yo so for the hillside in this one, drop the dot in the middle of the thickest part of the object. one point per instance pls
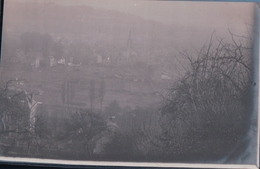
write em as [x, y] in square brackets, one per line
[91, 25]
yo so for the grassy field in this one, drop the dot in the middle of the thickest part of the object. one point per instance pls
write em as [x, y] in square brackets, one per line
[125, 84]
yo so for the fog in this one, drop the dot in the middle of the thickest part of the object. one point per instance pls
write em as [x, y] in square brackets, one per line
[158, 81]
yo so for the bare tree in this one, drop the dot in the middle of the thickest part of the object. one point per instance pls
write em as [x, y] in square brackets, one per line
[67, 92]
[19, 121]
[209, 106]
[102, 92]
[136, 135]
[84, 129]
[92, 93]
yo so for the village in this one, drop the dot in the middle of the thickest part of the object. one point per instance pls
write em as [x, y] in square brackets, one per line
[130, 80]
[87, 66]
[61, 83]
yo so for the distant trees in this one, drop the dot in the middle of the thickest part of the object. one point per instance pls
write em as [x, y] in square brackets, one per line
[101, 92]
[31, 41]
[67, 92]
[58, 50]
[47, 43]
[9, 47]
[34, 41]
[77, 50]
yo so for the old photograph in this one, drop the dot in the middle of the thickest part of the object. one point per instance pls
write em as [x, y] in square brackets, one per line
[130, 81]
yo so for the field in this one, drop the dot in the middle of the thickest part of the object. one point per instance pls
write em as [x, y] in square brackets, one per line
[125, 85]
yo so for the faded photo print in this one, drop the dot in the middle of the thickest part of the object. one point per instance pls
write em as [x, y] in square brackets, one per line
[129, 81]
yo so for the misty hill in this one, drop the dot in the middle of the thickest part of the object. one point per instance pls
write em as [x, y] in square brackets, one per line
[94, 26]
[98, 26]
[109, 29]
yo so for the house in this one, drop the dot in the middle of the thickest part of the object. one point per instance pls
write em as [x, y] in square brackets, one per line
[52, 61]
[166, 77]
[62, 61]
[34, 58]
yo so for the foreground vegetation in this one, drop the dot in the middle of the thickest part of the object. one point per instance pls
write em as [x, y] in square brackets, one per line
[204, 116]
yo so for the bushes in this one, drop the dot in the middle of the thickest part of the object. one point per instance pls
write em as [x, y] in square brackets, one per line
[207, 110]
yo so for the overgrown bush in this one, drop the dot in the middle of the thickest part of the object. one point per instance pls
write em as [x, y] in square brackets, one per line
[206, 112]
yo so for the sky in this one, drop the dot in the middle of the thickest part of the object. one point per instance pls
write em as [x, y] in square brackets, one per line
[197, 19]
[230, 14]
[171, 11]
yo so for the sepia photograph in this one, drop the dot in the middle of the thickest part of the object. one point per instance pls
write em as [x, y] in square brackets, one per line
[130, 83]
